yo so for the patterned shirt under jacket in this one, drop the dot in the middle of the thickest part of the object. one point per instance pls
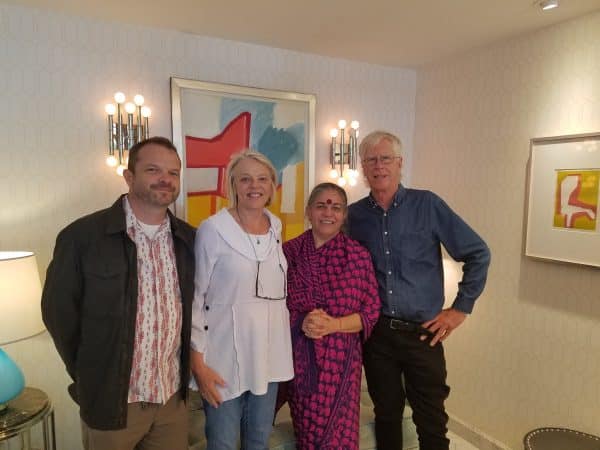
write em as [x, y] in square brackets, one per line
[155, 372]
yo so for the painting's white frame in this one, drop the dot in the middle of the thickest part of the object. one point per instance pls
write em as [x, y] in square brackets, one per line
[179, 84]
[548, 154]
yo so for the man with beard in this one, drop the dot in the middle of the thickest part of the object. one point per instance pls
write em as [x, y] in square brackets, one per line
[117, 302]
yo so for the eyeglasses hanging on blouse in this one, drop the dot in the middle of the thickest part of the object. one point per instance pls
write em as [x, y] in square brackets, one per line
[259, 291]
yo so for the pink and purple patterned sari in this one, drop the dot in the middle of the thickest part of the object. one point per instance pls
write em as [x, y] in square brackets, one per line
[324, 395]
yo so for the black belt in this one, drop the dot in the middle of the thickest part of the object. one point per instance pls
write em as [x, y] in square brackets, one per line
[403, 325]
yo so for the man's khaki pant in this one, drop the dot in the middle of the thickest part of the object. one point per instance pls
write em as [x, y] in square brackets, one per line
[150, 426]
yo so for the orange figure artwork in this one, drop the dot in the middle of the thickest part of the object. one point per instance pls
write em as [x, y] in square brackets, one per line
[576, 199]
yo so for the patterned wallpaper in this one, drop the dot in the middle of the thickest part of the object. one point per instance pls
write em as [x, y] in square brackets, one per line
[529, 355]
[56, 74]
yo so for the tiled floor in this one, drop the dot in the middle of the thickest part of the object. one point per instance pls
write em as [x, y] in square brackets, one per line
[458, 443]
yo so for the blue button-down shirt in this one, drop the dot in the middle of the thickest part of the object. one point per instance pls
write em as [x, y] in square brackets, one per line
[404, 242]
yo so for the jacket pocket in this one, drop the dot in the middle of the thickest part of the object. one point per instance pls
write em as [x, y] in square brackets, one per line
[105, 288]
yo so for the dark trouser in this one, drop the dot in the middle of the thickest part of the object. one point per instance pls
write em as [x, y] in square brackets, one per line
[389, 354]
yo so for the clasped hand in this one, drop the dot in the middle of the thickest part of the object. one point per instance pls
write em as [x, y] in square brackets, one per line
[318, 323]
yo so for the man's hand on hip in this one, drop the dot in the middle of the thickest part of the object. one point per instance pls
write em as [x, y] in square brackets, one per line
[443, 324]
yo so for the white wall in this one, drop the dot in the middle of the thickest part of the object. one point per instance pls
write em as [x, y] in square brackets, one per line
[56, 74]
[529, 356]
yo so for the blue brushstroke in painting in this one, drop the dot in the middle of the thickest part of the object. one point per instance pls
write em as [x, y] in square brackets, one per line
[283, 147]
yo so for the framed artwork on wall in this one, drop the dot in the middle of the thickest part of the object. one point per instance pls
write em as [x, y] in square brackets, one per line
[564, 194]
[212, 121]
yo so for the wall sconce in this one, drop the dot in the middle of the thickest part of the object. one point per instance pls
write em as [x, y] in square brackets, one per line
[122, 136]
[342, 154]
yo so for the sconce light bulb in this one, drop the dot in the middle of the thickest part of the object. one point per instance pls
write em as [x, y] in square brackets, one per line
[342, 124]
[146, 112]
[334, 132]
[353, 174]
[352, 181]
[120, 169]
[354, 124]
[110, 109]
[341, 181]
[129, 108]
[111, 161]
[119, 97]
[138, 100]
[333, 173]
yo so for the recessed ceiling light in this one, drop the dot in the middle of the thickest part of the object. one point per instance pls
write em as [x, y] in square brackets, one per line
[548, 4]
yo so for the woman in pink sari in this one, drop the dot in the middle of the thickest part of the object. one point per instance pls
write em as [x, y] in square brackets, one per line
[333, 304]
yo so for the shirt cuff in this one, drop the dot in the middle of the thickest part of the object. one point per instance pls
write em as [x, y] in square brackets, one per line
[198, 341]
[463, 305]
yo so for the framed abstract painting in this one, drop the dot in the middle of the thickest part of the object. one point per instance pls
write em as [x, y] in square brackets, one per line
[564, 193]
[213, 121]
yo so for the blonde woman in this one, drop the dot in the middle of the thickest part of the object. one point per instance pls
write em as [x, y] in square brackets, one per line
[241, 345]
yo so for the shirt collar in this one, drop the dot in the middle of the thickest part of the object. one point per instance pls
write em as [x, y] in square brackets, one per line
[398, 196]
[239, 240]
[133, 223]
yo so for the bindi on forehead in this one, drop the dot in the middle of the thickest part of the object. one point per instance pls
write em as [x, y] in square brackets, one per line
[329, 202]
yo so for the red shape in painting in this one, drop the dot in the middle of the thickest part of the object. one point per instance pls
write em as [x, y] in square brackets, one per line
[216, 152]
[570, 206]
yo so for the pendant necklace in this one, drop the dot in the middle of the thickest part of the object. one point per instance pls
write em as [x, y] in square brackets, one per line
[257, 237]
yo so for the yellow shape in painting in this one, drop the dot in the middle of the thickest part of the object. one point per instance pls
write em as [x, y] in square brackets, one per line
[201, 207]
[293, 223]
[576, 199]
[198, 209]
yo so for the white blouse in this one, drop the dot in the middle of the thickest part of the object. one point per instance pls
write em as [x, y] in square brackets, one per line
[245, 339]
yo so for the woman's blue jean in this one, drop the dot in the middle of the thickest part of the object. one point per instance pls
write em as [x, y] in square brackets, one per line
[247, 419]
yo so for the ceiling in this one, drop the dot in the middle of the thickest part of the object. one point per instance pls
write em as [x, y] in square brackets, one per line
[405, 33]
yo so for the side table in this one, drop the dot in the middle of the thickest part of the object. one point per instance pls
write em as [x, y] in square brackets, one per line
[31, 407]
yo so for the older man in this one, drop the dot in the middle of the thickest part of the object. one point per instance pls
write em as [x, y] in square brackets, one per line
[403, 229]
[117, 301]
